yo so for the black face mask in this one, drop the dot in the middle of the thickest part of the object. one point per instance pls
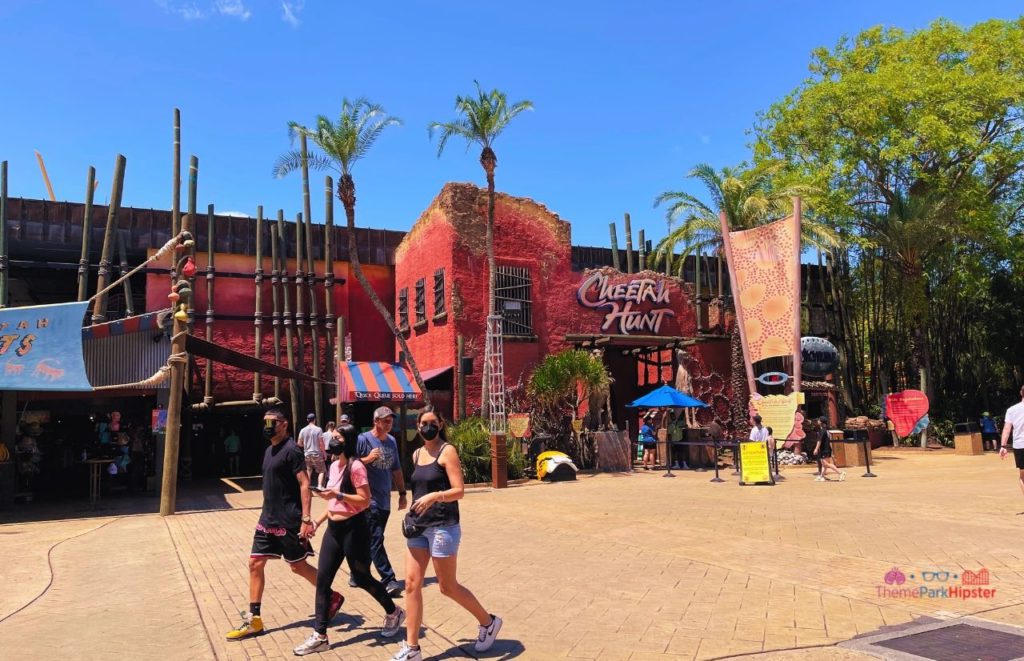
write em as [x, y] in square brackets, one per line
[429, 431]
[269, 429]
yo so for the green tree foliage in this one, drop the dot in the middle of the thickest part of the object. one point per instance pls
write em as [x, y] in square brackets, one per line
[557, 388]
[917, 142]
[472, 439]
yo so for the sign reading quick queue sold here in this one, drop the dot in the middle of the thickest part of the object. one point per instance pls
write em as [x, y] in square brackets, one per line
[41, 348]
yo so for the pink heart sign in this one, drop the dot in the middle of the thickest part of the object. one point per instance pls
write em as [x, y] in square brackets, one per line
[905, 409]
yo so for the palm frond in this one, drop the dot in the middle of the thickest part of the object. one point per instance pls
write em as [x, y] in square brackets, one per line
[481, 118]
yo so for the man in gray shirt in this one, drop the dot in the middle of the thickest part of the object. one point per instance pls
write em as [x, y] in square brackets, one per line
[311, 442]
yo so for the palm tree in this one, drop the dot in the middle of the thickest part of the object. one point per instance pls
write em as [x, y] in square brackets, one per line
[481, 120]
[343, 143]
[747, 197]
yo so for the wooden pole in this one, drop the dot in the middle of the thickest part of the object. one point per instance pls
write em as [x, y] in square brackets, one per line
[751, 384]
[314, 317]
[642, 261]
[615, 246]
[300, 307]
[698, 292]
[629, 245]
[275, 286]
[83, 262]
[99, 311]
[339, 357]
[460, 376]
[293, 386]
[329, 278]
[129, 308]
[193, 184]
[208, 382]
[176, 178]
[797, 358]
[178, 363]
[3, 234]
[257, 319]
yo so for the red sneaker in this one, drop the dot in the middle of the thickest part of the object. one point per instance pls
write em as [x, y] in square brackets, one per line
[337, 599]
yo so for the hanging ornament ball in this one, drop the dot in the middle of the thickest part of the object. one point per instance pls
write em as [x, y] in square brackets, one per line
[189, 244]
[174, 296]
[181, 314]
[180, 247]
[189, 269]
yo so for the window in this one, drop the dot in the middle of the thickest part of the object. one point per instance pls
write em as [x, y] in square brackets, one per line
[512, 298]
[421, 301]
[439, 308]
[403, 309]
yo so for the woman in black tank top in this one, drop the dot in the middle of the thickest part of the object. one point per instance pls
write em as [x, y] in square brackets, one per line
[437, 486]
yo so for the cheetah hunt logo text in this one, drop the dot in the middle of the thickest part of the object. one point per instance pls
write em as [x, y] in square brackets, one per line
[623, 301]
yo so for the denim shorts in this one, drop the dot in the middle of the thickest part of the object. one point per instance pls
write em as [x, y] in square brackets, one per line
[441, 541]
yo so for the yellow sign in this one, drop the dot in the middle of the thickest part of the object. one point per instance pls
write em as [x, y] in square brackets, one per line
[519, 424]
[754, 465]
[778, 412]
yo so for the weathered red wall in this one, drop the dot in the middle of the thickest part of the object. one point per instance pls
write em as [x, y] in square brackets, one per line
[371, 339]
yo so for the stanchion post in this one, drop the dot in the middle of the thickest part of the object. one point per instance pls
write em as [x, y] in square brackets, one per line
[714, 441]
[867, 460]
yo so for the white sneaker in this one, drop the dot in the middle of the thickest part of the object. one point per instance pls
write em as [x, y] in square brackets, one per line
[315, 643]
[842, 476]
[393, 622]
[407, 653]
[487, 634]
[819, 479]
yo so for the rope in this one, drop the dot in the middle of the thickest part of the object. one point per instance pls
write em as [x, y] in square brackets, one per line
[167, 247]
[158, 377]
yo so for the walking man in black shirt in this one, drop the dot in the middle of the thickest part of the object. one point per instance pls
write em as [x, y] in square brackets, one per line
[285, 525]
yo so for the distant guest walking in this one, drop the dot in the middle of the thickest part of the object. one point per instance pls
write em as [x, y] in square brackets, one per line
[649, 441]
[311, 442]
[823, 450]
[433, 531]
[1013, 427]
[346, 536]
[379, 452]
[989, 431]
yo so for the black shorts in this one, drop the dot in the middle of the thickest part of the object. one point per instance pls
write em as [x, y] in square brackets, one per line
[289, 546]
[989, 436]
[1018, 457]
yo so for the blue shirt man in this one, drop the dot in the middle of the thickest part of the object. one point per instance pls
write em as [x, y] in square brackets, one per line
[379, 452]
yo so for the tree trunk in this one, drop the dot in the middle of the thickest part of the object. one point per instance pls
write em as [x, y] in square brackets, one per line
[347, 195]
[489, 161]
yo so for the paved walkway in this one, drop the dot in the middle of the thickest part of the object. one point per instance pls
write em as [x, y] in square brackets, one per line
[609, 567]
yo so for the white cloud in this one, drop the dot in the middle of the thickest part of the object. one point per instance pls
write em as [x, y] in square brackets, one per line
[233, 8]
[187, 10]
[290, 12]
[235, 214]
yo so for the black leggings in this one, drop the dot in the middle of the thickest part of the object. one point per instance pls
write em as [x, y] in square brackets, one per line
[349, 538]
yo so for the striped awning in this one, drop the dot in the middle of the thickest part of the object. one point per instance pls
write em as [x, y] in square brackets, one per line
[376, 382]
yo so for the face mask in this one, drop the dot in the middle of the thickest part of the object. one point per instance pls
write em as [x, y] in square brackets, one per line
[429, 431]
[269, 429]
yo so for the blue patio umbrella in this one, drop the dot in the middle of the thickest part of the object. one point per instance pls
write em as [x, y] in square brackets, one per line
[667, 396]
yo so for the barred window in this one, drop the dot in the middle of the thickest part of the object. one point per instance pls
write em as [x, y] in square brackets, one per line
[439, 308]
[403, 309]
[421, 301]
[513, 300]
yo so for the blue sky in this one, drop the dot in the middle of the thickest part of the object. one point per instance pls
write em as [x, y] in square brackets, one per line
[628, 96]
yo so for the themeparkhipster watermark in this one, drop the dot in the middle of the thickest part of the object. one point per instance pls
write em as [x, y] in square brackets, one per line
[936, 585]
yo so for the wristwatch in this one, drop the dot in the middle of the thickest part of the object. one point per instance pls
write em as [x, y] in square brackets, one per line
[307, 519]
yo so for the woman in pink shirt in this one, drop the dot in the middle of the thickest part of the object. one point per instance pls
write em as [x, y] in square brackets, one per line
[347, 536]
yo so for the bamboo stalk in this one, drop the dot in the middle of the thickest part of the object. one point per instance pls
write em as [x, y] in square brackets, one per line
[176, 191]
[178, 363]
[275, 286]
[3, 234]
[99, 311]
[193, 183]
[314, 318]
[300, 304]
[339, 357]
[615, 246]
[257, 319]
[642, 261]
[293, 389]
[129, 308]
[329, 278]
[210, 272]
[83, 262]
[629, 245]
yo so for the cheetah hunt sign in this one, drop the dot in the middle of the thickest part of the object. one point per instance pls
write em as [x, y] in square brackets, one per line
[639, 305]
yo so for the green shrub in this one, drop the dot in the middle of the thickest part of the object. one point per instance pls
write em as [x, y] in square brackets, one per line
[472, 439]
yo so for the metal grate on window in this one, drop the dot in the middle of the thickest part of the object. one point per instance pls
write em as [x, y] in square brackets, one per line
[421, 300]
[439, 308]
[403, 309]
[513, 300]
